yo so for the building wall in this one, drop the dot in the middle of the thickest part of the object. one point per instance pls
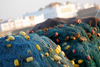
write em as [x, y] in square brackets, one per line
[12, 25]
[39, 19]
[66, 11]
[21, 22]
[26, 21]
[33, 20]
[0, 27]
[18, 23]
[5, 26]
[49, 12]
[63, 11]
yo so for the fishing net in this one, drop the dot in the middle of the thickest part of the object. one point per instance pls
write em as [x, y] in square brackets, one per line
[18, 50]
[80, 42]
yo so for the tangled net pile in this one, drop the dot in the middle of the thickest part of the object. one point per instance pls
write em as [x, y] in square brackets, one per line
[80, 42]
[31, 50]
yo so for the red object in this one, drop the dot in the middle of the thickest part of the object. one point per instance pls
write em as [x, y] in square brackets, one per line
[78, 21]
[50, 27]
[44, 33]
[93, 32]
[56, 34]
[73, 51]
[30, 32]
[88, 57]
[61, 25]
[57, 40]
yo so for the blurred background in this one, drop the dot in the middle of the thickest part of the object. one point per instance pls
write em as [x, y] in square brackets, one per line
[23, 15]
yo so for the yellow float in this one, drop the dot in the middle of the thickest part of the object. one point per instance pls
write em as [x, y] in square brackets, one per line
[8, 45]
[63, 53]
[27, 37]
[99, 48]
[56, 51]
[80, 61]
[76, 65]
[46, 54]
[38, 47]
[22, 33]
[29, 59]
[16, 62]
[50, 50]
[59, 47]
[10, 38]
[67, 47]
[72, 62]
[52, 59]
[56, 58]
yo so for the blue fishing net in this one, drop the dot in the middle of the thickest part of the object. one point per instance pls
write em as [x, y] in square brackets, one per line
[21, 49]
[85, 47]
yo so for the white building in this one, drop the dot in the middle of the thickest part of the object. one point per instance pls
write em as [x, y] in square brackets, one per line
[84, 6]
[55, 10]
[18, 23]
[87, 5]
[5, 26]
[66, 11]
[21, 22]
[33, 20]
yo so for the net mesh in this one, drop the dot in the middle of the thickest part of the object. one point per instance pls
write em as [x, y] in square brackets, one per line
[84, 46]
[21, 49]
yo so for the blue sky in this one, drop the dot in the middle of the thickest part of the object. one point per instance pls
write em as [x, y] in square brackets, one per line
[16, 8]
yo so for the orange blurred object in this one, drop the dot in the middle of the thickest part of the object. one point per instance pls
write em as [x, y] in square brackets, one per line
[56, 34]
[88, 57]
[78, 21]
[61, 25]
[93, 32]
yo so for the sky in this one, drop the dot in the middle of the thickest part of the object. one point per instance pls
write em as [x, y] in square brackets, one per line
[17, 8]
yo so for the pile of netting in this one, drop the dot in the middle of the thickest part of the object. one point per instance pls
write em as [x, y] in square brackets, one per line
[80, 42]
[31, 50]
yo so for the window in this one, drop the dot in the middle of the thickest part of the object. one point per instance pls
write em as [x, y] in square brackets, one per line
[31, 18]
[68, 9]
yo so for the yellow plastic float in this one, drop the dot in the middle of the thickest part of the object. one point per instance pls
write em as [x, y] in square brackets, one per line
[64, 65]
[29, 59]
[10, 38]
[76, 65]
[67, 47]
[99, 48]
[59, 47]
[16, 62]
[42, 55]
[52, 59]
[22, 33]
[56, 58]
[38, 47]
[8, 45]
[27, 37]
[63, 53]
[72, 61]
[46, 54]
[80, 61]
[50, 50]
[57, 50]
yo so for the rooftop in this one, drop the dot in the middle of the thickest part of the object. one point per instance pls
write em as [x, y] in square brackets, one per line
[4, 21]
[33, 14]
